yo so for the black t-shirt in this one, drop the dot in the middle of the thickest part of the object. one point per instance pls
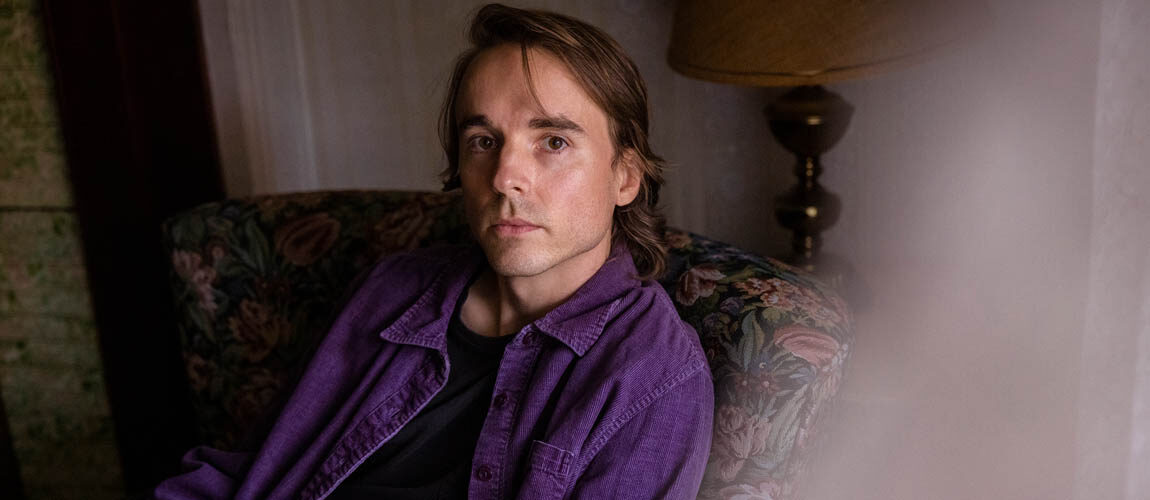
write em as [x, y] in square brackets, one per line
[430, 457]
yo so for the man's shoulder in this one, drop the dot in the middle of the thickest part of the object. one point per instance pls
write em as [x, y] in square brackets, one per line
[646, 328]
[648, 302]
[644, 353]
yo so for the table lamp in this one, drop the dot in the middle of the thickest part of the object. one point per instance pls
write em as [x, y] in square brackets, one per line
[806, 44]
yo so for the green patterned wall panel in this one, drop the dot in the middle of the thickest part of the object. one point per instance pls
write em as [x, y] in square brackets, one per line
[32, 170]
[51, 376]
[50, 367]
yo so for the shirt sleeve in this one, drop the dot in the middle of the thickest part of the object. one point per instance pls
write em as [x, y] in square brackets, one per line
[209, 474]
[660, 453]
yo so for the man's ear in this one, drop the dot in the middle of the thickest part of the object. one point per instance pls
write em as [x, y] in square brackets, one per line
[628, 176]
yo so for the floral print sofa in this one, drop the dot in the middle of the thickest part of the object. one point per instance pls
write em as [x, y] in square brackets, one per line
[257, 280]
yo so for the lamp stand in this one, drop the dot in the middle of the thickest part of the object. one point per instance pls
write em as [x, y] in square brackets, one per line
[808, 121]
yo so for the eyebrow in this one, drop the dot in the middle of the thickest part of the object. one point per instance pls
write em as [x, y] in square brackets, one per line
[474, 121]
[556, 123]
[546, 122]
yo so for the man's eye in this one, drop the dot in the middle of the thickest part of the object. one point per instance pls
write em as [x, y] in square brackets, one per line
[482, 143]
[556, 143]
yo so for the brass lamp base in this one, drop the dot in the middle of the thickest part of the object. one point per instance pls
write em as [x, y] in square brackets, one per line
[808, 121]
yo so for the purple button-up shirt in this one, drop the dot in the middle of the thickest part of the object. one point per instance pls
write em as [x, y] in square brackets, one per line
[606, 396]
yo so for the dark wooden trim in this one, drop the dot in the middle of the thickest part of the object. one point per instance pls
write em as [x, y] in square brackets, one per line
[140, 146]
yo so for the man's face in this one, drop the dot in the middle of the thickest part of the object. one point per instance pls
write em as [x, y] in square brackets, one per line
[539, 184]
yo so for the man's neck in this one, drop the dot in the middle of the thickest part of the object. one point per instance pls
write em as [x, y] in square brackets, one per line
[502, 305]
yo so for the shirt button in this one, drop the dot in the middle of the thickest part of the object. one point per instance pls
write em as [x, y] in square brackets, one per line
[500, 401]
[483, 473]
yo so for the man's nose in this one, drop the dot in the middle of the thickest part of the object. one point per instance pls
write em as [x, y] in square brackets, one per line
[512, 170]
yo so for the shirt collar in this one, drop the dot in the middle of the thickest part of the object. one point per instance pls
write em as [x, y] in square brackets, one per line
[577, 322]
[425, 322]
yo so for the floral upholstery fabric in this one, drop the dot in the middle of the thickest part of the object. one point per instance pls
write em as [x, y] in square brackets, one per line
[258, 280]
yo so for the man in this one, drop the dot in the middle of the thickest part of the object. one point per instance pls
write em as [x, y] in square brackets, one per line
[542, 364]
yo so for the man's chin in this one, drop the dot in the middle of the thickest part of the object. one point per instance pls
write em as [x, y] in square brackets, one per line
[515, 262]
[512, 267]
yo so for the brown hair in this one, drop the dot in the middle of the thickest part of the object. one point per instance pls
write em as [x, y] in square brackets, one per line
[610, 78]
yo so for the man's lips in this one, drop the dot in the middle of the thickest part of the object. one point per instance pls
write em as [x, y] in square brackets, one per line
[510, 227]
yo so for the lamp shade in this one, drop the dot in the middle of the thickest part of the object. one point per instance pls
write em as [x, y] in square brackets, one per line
[808, 42]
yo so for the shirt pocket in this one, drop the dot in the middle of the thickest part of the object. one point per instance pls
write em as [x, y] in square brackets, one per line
[547, 472]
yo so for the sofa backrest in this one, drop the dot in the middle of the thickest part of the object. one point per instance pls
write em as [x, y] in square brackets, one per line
[258, 280]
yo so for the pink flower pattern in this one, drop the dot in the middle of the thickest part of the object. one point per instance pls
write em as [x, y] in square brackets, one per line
[788, 297]
[739, 435]
[812, 345]
[189, 266]
[698, 281]
[768, 490]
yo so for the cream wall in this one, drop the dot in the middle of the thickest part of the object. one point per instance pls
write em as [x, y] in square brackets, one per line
[995, 359]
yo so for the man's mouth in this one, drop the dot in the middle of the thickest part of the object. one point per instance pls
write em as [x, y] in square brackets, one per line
[513, 226]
